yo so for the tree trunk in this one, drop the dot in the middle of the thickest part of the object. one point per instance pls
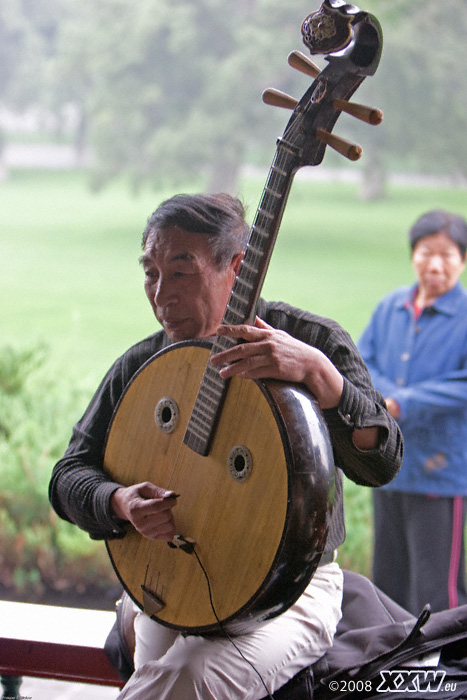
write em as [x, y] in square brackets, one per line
[3, 164]
[374, 179]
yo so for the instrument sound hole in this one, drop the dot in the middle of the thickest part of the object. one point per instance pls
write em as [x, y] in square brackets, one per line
[166, 414]
[240, 463]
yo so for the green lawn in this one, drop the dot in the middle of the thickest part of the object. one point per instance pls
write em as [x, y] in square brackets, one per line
[69, 259]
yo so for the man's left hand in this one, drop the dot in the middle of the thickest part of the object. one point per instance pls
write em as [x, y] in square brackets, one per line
[269, 353]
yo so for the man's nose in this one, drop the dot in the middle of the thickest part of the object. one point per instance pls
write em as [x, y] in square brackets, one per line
[164, 292]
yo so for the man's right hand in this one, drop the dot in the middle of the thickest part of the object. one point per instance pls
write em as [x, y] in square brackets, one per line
[148, 508]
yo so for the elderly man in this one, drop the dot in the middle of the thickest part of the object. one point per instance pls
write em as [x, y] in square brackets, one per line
[416, 349]
[192, 249]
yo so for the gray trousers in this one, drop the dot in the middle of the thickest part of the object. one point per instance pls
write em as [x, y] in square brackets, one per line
[419, 552]
[172, 667]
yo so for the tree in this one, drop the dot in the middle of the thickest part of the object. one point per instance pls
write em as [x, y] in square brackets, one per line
[19, 44]
[420, 86]
[171, 90]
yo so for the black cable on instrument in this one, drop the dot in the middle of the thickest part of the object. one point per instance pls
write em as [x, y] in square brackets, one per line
[224, 631]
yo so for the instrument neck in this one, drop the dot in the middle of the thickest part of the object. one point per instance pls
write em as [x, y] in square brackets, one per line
[241, 307]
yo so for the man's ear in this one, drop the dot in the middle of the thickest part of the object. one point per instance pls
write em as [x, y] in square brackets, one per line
[237, 261]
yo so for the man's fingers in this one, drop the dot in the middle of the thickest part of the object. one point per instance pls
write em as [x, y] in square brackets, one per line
[243, 330]
[149, 490]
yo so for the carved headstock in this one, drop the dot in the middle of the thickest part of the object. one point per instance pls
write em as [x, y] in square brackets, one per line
[353, 42]
[329, 29]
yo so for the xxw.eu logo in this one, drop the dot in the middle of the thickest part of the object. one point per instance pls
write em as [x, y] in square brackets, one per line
[408, 681]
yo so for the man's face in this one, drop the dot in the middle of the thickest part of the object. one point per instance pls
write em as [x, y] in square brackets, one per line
[187, 293]
[438, 264]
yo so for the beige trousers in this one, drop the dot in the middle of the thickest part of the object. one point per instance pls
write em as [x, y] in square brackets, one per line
[172, 667]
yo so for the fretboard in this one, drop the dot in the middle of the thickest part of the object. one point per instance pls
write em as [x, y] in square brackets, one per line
[245, 293]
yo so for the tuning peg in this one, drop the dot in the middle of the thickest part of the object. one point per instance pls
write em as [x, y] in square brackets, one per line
[300, 62]
[370, 115]
[276, 98]
[346, 148]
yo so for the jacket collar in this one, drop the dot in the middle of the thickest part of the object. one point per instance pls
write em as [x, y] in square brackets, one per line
[447, 303]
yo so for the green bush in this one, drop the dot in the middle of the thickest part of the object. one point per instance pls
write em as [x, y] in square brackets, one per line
[356, 552]
[39, 552]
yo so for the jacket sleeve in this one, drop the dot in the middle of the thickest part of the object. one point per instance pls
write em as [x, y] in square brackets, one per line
[438, 394]
[361, 406]
[79, 489]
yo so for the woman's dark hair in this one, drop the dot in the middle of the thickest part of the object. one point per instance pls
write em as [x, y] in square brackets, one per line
[218, 216]
[438, 221]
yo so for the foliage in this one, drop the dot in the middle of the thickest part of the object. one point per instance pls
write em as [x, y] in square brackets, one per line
[38, 551]
[161, 87]
[16, 365]
[420, 86]
[169, 90]
[356, 552]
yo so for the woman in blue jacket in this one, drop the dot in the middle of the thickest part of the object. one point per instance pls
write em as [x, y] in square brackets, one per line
[415, 347]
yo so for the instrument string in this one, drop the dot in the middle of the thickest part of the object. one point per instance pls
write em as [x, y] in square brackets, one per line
[152, 551]
[224, 631]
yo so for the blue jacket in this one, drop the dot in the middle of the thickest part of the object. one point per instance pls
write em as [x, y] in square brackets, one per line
[422, 364]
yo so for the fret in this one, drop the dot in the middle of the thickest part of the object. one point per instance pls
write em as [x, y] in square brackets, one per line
[236, 314]
[246, 263]
[221, 343]
[200, 429]
[209, 406]
[273, 193]
[238, 304]
[237, 295]
[211, 396]
[276, 169]
[200, 421]
[193, 442]
[256, 252]
[211, 401]
[241, 282]
[205, 411]
[214, 381]
[212, 373]
[269, 216]
[283, 145]
[259, 231]
[203, 416]
[253, 250]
